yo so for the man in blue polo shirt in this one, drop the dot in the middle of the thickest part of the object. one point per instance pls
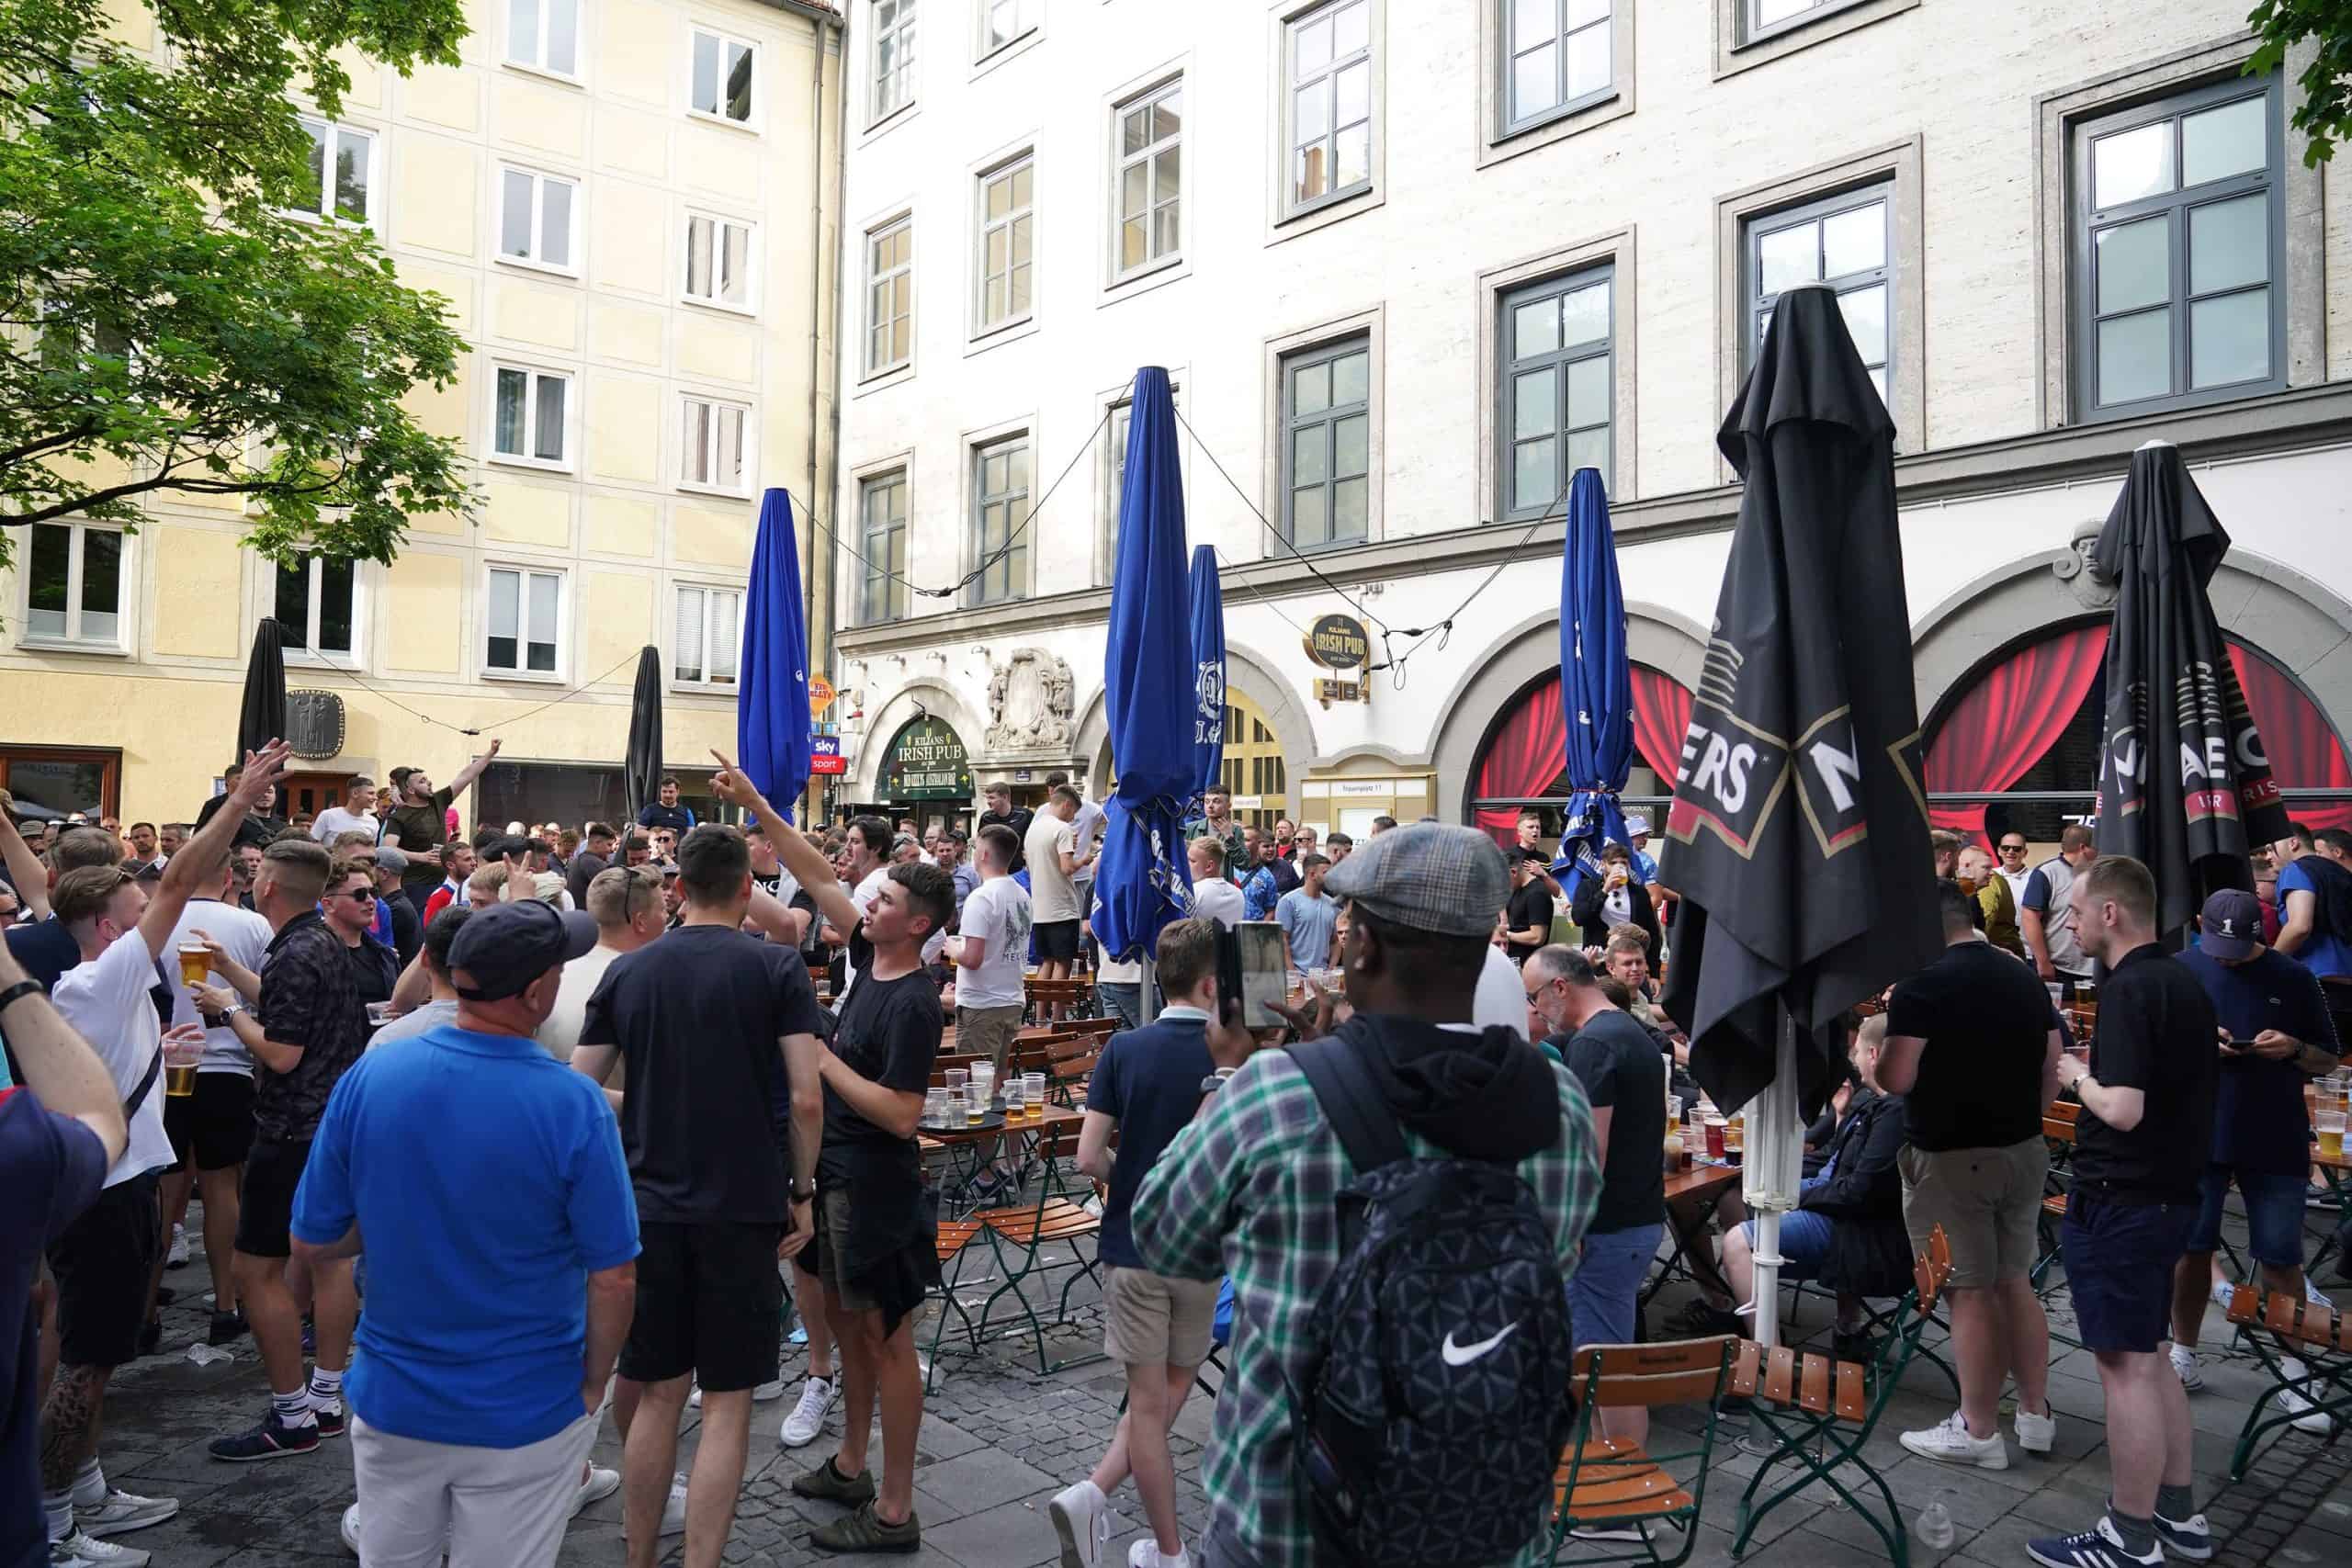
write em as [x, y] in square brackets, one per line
[502, 1270]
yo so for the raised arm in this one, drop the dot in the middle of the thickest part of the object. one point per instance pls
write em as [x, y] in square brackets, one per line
[25, 868]
[473, 770]
[198, 861]
[801, 858]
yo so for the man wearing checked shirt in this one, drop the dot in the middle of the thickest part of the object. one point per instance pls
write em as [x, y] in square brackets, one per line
[1253, 1179]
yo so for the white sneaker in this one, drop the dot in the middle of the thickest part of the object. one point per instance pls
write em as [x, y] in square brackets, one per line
[2312, 1293]
[1949, 1441]
[2035, 1433]
[1145, 1553]
[178, 1254]
[2308, 1417]
[350, 1529]
[81, 1549]
[2186, 1366]
[122, 1513]
[760, 1395]
[1083, 1519]
[808, 1417]
[1634, 1532]
[594, 1487]
[673, 1512]
[2224, 1292]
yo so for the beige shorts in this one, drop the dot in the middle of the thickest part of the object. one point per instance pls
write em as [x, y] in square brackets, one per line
[1150, 1320]
[988, 1030]
[1988, 1201]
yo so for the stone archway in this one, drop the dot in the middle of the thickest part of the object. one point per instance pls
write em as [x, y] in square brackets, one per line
[1245, 671]
[931, 696]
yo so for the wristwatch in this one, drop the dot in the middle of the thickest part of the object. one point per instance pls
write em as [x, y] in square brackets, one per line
[1215, 1081]
[21, 990]
[804, 1194]
[232, 1009]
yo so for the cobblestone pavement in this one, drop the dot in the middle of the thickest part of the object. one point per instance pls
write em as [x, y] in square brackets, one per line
[998, 1439]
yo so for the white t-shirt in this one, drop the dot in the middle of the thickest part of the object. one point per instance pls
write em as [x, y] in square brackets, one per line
[560, 1032]
[1218, 900]
[1501, 997]
[246, 936]
[108, 1003]
[1053, 898]
[2016, 880]
[998, 914]
[1086, 832]
[336, 819]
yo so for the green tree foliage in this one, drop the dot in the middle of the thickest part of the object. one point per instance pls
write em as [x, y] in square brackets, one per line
[169, 322]
[2327, 112]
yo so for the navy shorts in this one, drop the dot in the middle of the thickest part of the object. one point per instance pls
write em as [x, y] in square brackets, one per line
[2119, 1262]
[2274, 1214]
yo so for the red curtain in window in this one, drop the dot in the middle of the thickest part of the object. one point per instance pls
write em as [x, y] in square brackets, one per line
[2304, 752]
[1661, 718]
[2014, 714]
[1525, 755]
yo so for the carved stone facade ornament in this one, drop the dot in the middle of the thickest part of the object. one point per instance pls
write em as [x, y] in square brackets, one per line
[2079, 570]
[1029, 702]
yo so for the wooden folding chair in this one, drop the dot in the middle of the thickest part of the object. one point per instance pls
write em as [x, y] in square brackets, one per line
[956, 1237]
[1611, 1482]
[2275, 1324]
[1019, 1236]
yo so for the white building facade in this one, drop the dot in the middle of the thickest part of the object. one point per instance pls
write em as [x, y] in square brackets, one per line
[1409, 266]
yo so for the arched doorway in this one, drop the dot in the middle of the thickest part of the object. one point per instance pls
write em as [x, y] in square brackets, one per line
[1520, 766]
[2013, 749]
[925, 774]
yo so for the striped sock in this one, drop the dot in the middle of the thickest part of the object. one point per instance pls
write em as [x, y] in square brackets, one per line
[293, 1409]
[326, 1388]
[90, 1484]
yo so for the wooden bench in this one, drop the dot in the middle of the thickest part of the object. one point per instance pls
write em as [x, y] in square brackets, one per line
[2276, 1325]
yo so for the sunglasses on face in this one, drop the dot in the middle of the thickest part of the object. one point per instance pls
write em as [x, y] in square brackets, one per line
[356, 894]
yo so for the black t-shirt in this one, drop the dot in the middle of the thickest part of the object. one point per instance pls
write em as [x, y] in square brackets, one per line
[374, 969]
[698, 1015]
[1617, 1063]
[408, 931]
[1986, 1018]
[2156, 1033]
[581, 871]
[1018, 820]
[422, 828]
[889, 1033]
[1531, 906]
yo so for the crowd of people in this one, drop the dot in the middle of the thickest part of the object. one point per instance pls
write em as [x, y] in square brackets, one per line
[690, 1059]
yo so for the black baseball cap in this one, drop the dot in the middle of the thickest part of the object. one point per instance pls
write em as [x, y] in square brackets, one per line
[2231, 926]
[505, 947]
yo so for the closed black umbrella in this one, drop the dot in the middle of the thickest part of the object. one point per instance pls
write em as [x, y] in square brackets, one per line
[1798, 834]
[641, 769]
[2184, 783]
[261, 717]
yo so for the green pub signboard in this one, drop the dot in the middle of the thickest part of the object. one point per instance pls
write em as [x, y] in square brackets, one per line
[926, 761]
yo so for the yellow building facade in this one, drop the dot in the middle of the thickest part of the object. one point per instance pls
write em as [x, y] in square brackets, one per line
[631, 207]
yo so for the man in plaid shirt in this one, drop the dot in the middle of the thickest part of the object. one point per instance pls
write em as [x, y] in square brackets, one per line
[1250, 1187]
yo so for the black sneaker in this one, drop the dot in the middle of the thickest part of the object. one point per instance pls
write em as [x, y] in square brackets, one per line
[271, 1439]
[1855, 1346]
[331, 1422]
[827, 1483]
[1699, 1318]
[151, 1338]
[227, 1326]
[863, 1531]
[166, 1296]
[310, 1337]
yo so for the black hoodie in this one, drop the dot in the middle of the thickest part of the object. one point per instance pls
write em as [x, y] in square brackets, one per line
[1486, 1095]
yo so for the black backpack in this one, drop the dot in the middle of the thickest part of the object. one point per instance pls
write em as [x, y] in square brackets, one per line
[1434, 1405]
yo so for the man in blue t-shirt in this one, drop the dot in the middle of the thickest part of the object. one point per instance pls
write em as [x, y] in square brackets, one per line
[1145, 1089]
[492, 1326]
[2277, 1037]
[2316, 910]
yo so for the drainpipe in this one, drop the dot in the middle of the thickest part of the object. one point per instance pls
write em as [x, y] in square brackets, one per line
[840, 184]
[806, 526]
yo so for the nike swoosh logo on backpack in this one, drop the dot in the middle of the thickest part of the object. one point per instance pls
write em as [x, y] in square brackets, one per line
[1463, 1355]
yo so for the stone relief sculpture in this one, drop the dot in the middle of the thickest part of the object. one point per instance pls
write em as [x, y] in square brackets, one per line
[2079, 570]
[1030, 703]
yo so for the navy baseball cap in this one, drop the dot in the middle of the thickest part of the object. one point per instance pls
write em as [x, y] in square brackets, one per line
[2231, 925]
[505, 947]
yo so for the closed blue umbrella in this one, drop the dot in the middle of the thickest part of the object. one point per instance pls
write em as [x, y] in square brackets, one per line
[772, 701]
[1208, 670]
[1596, 682]
[1148, 685]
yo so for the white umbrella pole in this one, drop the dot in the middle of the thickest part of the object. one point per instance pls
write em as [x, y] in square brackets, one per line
[1147, 1009]
[1769, 1181]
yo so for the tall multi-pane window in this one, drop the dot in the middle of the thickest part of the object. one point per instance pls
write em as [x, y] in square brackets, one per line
[73, 580]
[882, 522]
[1000, 508]
[536, 218]
[1007, 224]
[723, 68]
[1005, 21]
[1114, 475]
[529, 423]
[544, 35]
[2179, 242]
[1556, 57]
[316, 604]
[341, 171]
[1151, 183]
[1760, 18]
[522, 625]
[1330, 98]
[894, 56]
[889, 296]
[1555, 392]
[1327, 445]
[718, 261]
[709, 623]
[1843, 240]
[710, 447]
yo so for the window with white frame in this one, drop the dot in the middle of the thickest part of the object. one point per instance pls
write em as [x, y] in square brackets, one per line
[316, 606]
[1004, 22]
[1555, 58]
[1329, 95]
[341, 171]
[889, 295]
[536, 213]
[723, 76]
[709, 628]
[530, 423]
[1007, 220]
[544, 35]
[75, 582]
[999, 510]
[882, 524]
[1842, 240]
[1115, 474]
[1151, 163]
[1557, 387]
[1326, 443]
[710, 451]
[718, 261]
[894, 56]
[523, 624]
[1760, 18]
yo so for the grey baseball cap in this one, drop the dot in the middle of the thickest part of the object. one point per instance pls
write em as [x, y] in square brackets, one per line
[389, 858]
[1431, 876]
